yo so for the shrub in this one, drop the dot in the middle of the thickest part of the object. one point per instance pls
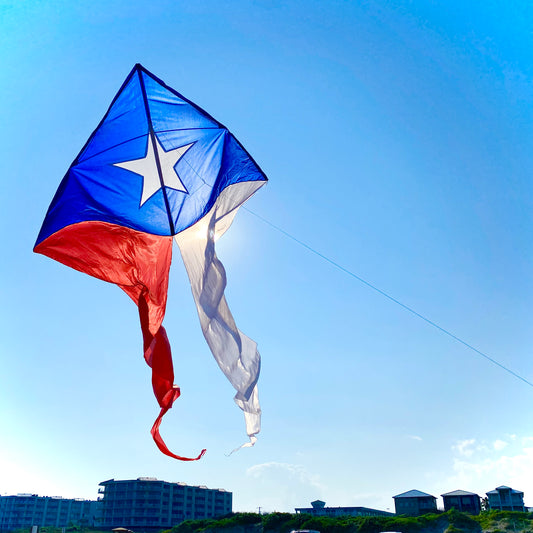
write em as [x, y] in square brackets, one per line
[274, 521]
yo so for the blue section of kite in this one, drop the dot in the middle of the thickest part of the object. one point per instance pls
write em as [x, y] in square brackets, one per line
[148, 120]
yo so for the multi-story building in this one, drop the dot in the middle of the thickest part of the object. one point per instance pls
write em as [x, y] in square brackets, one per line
[27, 510]
[506, 499]
[319, 509]
[148, 504]
[414, 503]
[461, 500]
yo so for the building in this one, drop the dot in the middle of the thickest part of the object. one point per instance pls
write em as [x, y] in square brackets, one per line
[147, 504]
[461, 500]
[414, 503]
[319, 509]
[26, 510]
[506, 499]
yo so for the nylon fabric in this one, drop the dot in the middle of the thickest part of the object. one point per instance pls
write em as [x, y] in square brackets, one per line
[155, 166]
[139, 264]
[236, 354]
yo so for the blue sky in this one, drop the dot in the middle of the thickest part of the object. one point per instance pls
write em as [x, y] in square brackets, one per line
[397, 139]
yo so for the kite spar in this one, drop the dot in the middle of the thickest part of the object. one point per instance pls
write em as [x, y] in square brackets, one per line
[159, 168]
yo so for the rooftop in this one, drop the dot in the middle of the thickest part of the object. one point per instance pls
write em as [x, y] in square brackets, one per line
[503, 487]
[414, 494]
[459, 493]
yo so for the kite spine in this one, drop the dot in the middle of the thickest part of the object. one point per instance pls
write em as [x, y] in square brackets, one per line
[154, 147]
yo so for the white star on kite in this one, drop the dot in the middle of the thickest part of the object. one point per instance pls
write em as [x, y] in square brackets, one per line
[147, 168]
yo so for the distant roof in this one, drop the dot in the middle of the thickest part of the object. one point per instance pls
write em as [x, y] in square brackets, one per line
[348, 510]
[459, 493]
[154, 480]
[503, 487]
[28, 495]
[414, 494]
[143, 479]
[318, 504]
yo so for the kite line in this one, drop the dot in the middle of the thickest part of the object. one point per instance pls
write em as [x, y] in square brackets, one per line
[386, 295]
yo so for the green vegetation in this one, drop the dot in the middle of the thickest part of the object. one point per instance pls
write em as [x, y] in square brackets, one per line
[68, 529]
[448, 522]
[504, 521]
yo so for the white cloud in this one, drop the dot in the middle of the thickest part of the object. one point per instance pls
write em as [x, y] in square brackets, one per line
[499, 445]
[25, 479]
[490, 467]
[465, 447]
[286, 485]
[292, 471]
[415, 437]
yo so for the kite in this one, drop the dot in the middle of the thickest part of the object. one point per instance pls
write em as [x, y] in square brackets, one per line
[158, 168]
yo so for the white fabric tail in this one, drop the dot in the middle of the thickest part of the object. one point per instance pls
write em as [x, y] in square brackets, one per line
[235, 353]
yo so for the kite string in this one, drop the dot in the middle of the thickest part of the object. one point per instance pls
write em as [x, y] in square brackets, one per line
[383, 293]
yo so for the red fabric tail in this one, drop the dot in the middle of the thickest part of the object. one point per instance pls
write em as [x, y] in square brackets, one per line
[161, 444]
[158, 356]
[138, 263]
